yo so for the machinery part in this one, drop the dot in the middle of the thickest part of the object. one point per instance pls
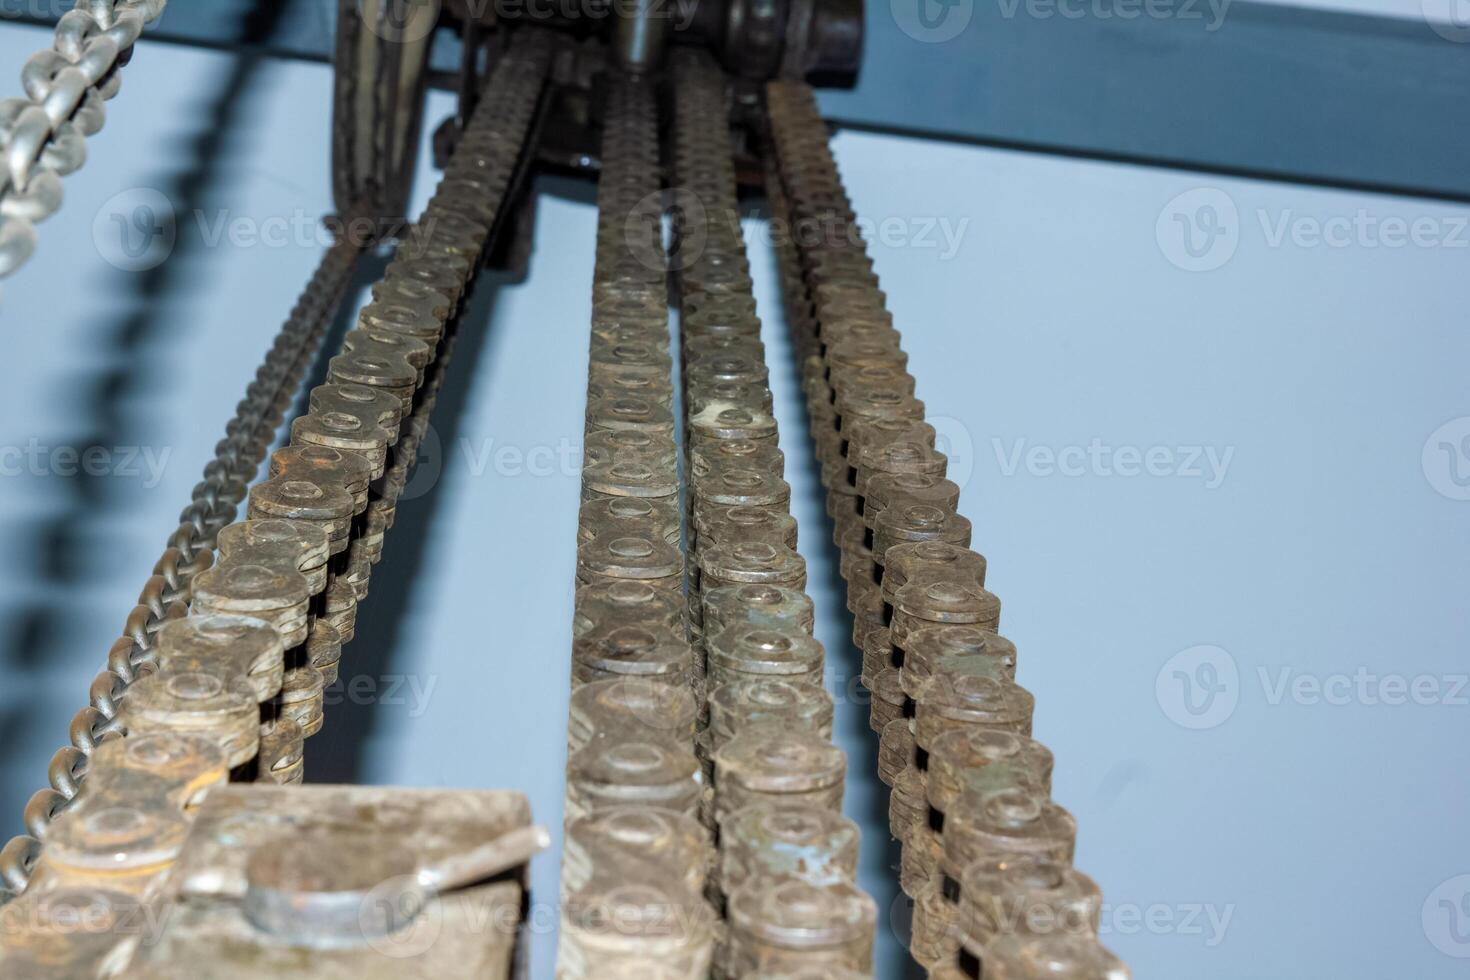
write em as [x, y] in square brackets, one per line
[764, 39]
[640, 32]
[340, 881]
[43, 136]
[165, 596]
[636, 761]
[761, 720]
[382, 67]
[703, 788]
[1349, 75]
[321, 489]
[741, 560]
[973, 787]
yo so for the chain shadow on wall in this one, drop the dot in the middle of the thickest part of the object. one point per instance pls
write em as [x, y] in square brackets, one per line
[38, 637]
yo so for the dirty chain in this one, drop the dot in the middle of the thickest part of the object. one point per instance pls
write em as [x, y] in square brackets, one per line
[986, 853]
[233, 688]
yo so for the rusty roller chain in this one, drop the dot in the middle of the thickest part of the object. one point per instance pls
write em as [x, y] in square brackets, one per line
[986, 853]
[704, 832]
[231, 690]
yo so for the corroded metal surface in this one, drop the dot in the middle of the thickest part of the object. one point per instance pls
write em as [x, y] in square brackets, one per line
[636, 861]
[750, 728]
[787, 861]
[344, 882]
[237, 685]
[984, 846]
[165, 596]
[704, 793]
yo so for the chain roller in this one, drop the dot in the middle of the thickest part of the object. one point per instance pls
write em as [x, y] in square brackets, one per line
[243, 673]
[778, 778]
[713, 726]
[637, 858]
[704, 792]
[165, 596]
[986, 853]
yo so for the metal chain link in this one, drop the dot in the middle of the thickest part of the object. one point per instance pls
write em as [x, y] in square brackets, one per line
[778, 777]
[245, 671]
[764, 780]
[631, 764]
[43, 136]
[214, 504]
[985, 850]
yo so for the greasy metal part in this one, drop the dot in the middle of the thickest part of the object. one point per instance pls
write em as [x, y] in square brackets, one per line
[704, 792]
[749, 727]
[970, 790]
[780, 924]
[640, 33]
[381, 60]
[43, 135]
[95, 888]
[754, 39]
[343, 881]
[787, 840]
[245, 670]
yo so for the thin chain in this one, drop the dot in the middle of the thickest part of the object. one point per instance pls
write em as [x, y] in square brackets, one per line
[414, 310]
[43, 135]
[214, 504]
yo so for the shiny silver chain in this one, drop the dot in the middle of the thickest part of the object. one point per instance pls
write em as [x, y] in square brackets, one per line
[43, 135]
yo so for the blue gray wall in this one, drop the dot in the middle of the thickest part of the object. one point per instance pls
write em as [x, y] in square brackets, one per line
[1221, 481]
